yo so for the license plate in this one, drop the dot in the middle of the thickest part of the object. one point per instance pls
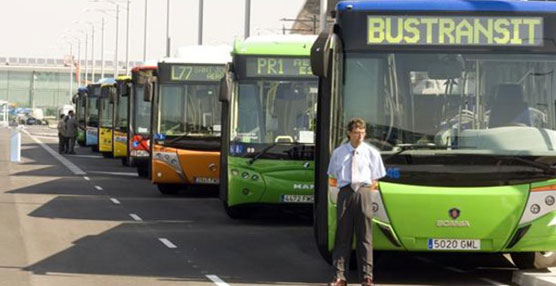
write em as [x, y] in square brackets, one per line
[298, 198]
[454, 244]
[205, 180]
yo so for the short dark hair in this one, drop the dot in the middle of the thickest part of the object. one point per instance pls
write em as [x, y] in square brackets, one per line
[356, 123]
[70, 112]
[62, 115]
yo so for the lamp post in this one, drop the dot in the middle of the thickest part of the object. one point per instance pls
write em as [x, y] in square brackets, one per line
[167, 28]
[145, 33]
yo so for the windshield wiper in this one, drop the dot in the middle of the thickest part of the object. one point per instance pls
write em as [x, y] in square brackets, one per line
[413, 146]
[265, 150]
[548, 169]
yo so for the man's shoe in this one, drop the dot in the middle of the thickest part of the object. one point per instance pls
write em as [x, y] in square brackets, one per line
[338, 282]
[367, 282]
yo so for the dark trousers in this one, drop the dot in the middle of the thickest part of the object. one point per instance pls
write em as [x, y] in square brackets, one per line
[354, 215]
[71, 144]
[62, 143]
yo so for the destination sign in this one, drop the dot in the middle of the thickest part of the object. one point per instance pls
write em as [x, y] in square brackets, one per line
[464, 31]
[276, 66]
[196, 73]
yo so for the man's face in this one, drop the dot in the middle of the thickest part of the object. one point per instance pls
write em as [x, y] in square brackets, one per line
[356, 136]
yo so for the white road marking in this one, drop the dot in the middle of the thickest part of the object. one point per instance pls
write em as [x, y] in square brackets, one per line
[137, 218]
[217, 280]
[88, 156]
[99, 188]
[71, 166]
[130, 174]
[493, 282]
[455, 269]
[422, 259]
[86, 178]
[115, 201]
[168, 243]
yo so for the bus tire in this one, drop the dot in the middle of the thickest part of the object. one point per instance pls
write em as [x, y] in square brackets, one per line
[168, 189]
[124, 161]
[94, 148]
[81, 143]
[142, 172]
[107, 155]
[534, 260]
[237, 212]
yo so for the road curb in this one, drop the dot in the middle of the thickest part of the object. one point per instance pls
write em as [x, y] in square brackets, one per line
[534, 278]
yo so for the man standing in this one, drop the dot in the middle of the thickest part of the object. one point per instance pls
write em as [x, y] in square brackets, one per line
[357, 166]
[62, 134]
[71, 131]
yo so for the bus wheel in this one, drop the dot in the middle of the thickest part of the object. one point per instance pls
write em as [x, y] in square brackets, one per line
[94, 148]
[168, 189]
[124, 161]
[237, 212]
[107, 155]
[81, 143]
[142, 172]
[534, 260]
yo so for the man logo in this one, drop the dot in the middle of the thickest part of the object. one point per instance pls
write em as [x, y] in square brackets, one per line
[454, 213]
[306, 165]
[212, 167]
[303, 186]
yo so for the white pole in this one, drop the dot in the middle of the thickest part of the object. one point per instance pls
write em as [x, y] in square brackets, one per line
[323, 8]
[167, 28]
[15, 145]
[127, 41]
[200, 33]
[117, 35]
[145, 34]
[247, 28]
[78, 72]
[86, 57]
[93, 52]
[102, 50]
[71, 72]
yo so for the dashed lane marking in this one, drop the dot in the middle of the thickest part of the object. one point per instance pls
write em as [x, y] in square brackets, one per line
[493, 282]
[455, 269]
[86, 178]
[99, 188]
[130, 174]
[216, 280]
[67, 163]
[168, 243]
[137, 218]
[115, 201]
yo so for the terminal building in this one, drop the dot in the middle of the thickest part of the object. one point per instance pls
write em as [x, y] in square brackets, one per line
[45, 82]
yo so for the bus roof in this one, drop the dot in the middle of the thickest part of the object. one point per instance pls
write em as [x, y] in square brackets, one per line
[147, 65]
[449, 5]
[287, 45]
[201, 55]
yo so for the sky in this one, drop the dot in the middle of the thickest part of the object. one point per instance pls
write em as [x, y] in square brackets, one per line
[47, 28]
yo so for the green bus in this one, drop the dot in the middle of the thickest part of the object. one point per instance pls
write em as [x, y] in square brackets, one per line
[459, 98]
[80, 101]
[269, 98]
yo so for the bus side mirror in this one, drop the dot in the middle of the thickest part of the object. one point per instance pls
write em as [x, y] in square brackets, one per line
[224, 91]
[148, 91]
[112, 95]
[319, 55]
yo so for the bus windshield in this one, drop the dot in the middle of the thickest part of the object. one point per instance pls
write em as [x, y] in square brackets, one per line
[121, 114]
[106, 116]
[142, 112]
[274, 111]
[190, 110]
[438, 105]
[92, 112]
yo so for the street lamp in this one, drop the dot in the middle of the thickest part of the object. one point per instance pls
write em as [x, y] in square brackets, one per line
[117, 4]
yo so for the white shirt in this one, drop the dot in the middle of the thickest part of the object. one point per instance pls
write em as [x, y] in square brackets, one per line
[369, 161]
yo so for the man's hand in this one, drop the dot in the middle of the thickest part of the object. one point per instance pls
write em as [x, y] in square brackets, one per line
[374, 185]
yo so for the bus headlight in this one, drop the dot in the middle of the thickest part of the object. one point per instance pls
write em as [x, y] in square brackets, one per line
[235, 172]
[549, 200]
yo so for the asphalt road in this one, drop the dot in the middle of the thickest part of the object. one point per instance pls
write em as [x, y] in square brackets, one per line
[110, 227]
